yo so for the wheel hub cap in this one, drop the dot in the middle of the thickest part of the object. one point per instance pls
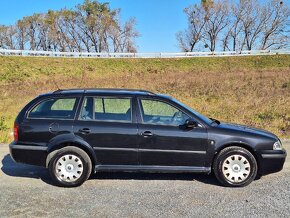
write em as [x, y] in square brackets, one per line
[69, 168]
[236, 168]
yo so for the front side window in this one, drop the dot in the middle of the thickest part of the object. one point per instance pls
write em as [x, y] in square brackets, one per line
[107, 109]
[158, 112]
[58, 108]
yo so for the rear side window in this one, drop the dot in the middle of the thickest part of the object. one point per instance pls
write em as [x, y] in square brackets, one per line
[58, 108]
[107, 109]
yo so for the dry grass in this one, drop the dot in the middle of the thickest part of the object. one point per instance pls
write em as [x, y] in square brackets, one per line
[247, 90]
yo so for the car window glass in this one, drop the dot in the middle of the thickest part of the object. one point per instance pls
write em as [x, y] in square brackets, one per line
[99, 105]
[158, 112]
[63, 104]
[107, 109]
[63, 108]
[87, 109]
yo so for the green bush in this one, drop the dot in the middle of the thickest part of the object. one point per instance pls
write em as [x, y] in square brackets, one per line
[3, 126]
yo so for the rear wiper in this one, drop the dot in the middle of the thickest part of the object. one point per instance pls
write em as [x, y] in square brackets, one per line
[215, 121]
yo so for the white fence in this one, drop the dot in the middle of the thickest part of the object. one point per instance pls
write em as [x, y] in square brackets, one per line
[4, 52]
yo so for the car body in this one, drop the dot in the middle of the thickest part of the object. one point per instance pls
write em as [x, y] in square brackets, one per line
[137, 130]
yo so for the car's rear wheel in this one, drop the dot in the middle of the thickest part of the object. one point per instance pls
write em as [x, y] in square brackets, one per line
[70, 167]
[235, 166]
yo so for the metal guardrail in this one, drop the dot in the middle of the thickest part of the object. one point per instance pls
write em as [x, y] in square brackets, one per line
[5, 52]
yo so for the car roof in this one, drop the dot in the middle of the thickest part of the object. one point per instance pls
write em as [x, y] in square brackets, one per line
[104, 91]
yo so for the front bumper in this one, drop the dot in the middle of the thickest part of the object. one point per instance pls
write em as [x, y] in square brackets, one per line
[28, 154]
[271, 161]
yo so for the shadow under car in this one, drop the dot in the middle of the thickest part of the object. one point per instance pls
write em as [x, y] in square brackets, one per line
[10, 168]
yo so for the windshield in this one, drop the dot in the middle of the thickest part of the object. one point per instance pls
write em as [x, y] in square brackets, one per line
[202, 117]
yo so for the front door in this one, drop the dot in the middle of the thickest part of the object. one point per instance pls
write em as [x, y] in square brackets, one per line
[163, 140]
[108, 125]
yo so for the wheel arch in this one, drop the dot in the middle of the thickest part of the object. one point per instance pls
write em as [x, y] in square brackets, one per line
[238, 144]
[56, 145]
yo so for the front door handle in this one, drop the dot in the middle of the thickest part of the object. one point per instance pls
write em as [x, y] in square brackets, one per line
[85, 131]
[147, 134]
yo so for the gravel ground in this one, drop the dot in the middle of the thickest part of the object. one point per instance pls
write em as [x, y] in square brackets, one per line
[26, 191]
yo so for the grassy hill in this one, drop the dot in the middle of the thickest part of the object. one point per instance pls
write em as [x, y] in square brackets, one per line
[248, 90]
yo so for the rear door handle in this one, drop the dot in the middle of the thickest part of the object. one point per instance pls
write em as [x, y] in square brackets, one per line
[85, 131]
[147, 134]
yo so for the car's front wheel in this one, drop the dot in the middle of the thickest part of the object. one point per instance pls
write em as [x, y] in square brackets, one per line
[235, 166]
[70, 167]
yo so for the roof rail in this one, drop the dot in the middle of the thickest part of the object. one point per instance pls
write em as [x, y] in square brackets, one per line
[57, 91]
[120, 89]
[61, 90]
[105, 89]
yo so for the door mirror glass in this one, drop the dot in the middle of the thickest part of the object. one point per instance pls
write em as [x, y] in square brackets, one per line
[190, 123]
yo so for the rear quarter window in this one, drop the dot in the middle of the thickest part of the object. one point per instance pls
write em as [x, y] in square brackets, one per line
[57, 108]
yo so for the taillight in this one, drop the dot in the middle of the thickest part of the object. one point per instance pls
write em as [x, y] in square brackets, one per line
[15, 132]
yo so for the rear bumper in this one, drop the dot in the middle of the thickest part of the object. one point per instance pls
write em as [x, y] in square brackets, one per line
[271, 161]
[28, 154]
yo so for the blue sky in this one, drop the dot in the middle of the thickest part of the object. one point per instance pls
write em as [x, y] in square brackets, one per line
[157, 20]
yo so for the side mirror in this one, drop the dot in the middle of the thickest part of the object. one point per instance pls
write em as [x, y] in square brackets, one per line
[190, 124]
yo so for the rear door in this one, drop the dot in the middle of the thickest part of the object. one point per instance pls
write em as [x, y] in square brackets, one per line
[48, 118]
[108, 124]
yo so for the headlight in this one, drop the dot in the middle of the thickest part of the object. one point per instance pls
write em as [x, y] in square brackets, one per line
[277, 146]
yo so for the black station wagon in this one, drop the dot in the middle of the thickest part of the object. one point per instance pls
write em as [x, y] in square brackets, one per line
[77, 132]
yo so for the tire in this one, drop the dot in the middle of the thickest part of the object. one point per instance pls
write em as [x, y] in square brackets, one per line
[235, 167]
[70, 167]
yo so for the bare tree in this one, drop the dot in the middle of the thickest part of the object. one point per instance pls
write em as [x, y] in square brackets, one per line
[3, 35]
[10, 37]
[95, 20]
[129, 34]
[233, 30]
[196, 18]
[236, 25]
[122, 38]
[274, 32]
[32, 28]
[68, 22]
[91, 26]
[217, 20]
[21, 36]
[253, 22]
